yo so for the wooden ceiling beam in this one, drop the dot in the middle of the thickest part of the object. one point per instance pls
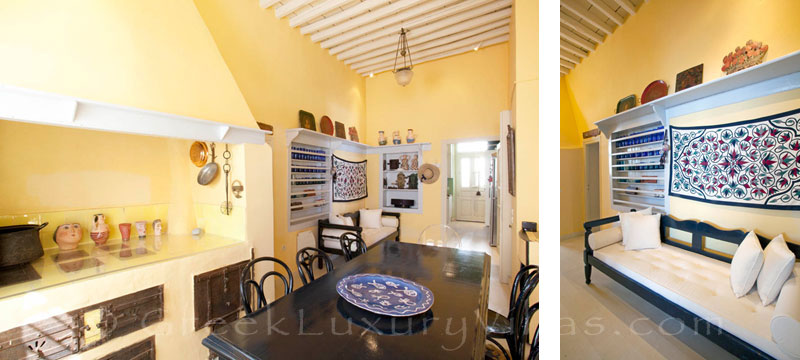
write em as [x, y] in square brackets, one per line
[461, 38]
[607, 11]
[564, 70]
[366, 18]
[498, 40]
[470, 42]
[567, 64]
[569, 57]
[350, 12]
[577, 40]
[445, 17]
[391, 21]
[584, 15]
[467, 28]
[414, 33]
[289, 7]
[627, 6]
[582, 29]
[573, 49]
[316, 11]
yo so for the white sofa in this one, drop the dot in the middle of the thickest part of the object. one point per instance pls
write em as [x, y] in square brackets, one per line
[693, 284]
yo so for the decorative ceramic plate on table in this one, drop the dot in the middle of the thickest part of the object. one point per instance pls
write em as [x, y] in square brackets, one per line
[385, 294]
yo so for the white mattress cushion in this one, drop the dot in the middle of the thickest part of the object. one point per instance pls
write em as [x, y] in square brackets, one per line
[370, 236]
[698, 284]
[778, 263]
[785, 324]
[746, 265]
[603, 238]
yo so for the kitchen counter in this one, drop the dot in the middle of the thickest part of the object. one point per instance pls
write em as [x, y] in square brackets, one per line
[88, 260]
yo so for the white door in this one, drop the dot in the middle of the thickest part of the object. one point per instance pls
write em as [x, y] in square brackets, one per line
[472, 171]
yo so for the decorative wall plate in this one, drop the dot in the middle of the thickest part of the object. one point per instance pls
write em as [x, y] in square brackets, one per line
[340, 130]
[307, 121]
[198, 153]
[628, 102]
[689, 77]
[385, 294]
[656, 89]
[326, 125]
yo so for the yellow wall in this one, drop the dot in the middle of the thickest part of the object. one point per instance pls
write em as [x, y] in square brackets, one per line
[525, 114]
[150, 54]
[279, 72]
[572, 170]
[453, 98]
[147, 54]
[699, 32]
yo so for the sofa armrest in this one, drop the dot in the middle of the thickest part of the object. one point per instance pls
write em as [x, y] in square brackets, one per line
[785, 323]
[599, 222]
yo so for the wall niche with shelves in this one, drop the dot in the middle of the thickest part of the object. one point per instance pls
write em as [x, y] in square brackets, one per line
[638, 179]
[309, 184]
[401, 188]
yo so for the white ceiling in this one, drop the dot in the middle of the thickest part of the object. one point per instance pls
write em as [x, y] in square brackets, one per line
[585, 25]
[364, 33]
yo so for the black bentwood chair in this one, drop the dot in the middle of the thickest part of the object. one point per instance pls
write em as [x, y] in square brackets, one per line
[352, 245]
[305, 263]
[514, 328]
[246, 282]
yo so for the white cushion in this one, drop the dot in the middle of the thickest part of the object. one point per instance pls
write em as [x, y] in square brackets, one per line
[642, 232]
[785, 323]
[778, 263]
[348, 221]
[370, 218]
[390, 221]
[336, 220]
[334, 233]
[746, 264]
[603, 238]
[625, 217]
[698, 284]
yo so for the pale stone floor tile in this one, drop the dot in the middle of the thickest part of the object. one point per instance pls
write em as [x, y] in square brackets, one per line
[611, 322]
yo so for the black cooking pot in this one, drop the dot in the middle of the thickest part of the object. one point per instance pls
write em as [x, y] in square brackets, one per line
[19, 244]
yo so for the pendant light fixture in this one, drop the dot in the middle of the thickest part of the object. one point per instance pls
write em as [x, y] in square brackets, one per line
[404, 74]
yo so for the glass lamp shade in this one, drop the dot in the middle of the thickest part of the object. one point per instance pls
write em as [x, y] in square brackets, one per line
[403, 76]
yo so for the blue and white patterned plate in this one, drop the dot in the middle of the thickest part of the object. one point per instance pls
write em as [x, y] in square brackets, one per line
[385, 294]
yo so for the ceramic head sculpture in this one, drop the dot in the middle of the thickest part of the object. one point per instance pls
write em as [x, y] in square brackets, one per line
[67, 236]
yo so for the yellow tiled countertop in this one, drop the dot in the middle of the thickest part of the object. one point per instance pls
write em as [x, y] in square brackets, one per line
[88, 260]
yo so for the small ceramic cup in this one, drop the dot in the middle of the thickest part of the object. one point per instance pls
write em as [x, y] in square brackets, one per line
[141, 228]
[125, 231]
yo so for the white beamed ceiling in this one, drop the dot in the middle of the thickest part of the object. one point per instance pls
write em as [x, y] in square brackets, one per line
[364, 33]
[585, 25]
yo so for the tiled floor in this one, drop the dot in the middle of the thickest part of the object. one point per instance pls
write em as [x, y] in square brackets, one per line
[604, 320]
[475, 237]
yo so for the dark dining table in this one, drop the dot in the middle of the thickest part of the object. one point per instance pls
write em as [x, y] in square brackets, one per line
[314, 322]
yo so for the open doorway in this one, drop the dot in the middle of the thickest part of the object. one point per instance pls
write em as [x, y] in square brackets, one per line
[471, 176]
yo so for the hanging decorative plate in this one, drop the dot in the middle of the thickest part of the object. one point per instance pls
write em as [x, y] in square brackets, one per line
[385, 294]
[307, 120]
[628, 102]
[340, 130]
[689, 77]
[326, 125]
[656, 89]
